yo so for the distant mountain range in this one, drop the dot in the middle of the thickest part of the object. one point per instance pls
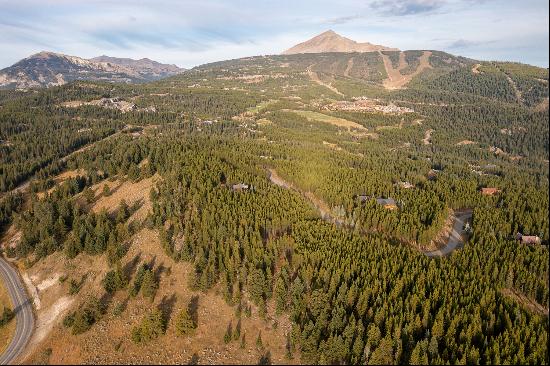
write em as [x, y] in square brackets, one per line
[331, 41]
[46, 69]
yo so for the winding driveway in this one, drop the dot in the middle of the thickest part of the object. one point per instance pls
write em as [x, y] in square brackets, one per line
[23, 313]
[456, 238]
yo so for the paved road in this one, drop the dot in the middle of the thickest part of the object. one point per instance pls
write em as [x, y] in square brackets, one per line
[456, 238]
[23, 313]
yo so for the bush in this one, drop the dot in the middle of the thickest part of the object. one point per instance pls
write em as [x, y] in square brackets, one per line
[7, 316]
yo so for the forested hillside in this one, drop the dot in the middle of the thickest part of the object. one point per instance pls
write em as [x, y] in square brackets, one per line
[301, 192]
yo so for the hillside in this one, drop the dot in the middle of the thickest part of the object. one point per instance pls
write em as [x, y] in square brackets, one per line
[330, 41]
[284, 209]
[46, 69]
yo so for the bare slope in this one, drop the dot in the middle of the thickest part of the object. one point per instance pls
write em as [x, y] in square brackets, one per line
[396, 80]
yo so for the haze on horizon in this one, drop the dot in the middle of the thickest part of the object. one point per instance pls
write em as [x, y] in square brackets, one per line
[188, 33]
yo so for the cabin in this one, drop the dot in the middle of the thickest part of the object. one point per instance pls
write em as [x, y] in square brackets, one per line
[240, 187]
[489, 191]
[528, 239]
[388, 203]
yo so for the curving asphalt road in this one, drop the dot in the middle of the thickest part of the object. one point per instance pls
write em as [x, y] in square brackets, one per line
[23, 313]
[456, 239]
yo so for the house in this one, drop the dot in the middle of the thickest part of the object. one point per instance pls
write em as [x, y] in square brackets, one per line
[528, 239]
[388, 203]
[489, 191]
[239, 187]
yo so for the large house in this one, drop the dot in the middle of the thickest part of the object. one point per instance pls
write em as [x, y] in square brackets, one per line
[528, 239]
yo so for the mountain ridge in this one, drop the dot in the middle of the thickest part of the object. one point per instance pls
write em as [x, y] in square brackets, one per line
[47, 69]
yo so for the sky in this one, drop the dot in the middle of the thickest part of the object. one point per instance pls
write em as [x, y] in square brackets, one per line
[190, 33]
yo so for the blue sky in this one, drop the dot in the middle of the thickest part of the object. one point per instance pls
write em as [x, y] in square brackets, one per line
[189, 33]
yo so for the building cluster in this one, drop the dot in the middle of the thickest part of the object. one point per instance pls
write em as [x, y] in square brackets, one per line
[367, 105]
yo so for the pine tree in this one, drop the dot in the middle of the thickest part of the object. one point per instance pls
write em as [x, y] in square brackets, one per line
[184, 323]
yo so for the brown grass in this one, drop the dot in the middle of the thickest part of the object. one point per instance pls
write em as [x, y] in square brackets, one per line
[131, 192]
[99, 345]
[475, 69]
[6, 332]
[61, 178]
[428, 137]
[542, 106]
[465, 142]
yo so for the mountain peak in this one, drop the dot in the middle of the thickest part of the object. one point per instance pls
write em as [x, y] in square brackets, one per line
[330, 41]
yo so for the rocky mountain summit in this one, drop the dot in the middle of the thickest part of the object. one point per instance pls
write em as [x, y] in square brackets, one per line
[331, 41]
[46, 69]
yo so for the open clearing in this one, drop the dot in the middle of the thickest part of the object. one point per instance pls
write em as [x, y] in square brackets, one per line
[465, 142]
[320, 117]
[542, 106]
[395, 79]
[133, 193]
[428, 137]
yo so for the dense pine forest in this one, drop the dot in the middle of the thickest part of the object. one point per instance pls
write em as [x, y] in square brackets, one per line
[271, 193]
